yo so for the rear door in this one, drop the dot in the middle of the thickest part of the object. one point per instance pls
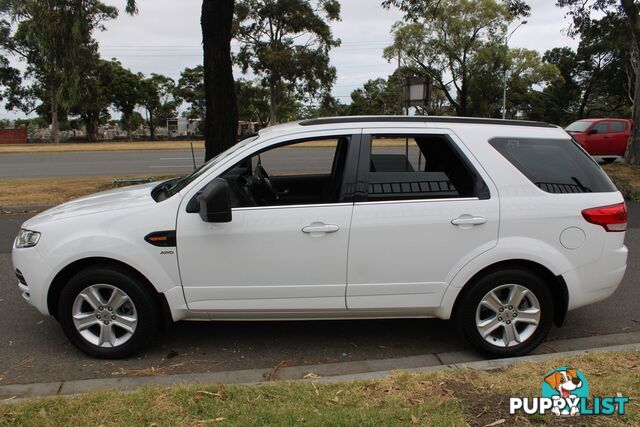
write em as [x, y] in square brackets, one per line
[424, 209]
[619, 137]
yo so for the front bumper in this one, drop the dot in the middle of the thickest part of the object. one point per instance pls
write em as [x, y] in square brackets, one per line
[35, 277]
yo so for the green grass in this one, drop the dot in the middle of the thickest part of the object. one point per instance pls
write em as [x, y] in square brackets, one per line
[627, 179]
[447, 398]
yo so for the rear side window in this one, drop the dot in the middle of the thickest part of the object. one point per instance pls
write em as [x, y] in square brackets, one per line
[618, 126]
[555, 165]
[420, 167]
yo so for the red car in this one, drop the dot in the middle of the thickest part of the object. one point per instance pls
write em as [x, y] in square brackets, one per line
[604, 138]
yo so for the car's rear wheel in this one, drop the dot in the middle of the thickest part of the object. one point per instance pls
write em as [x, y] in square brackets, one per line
[107, 312]
[506, 313]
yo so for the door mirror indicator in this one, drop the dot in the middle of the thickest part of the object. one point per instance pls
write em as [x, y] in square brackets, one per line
[215, 202]
[592, 131]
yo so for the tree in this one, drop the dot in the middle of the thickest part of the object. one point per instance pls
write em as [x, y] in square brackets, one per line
[158, 98]
[253, 101]
[557, 102]
[95, 97]
[221, 118]
[10, 79]
[286, 43]
[190, 88]
[581, 11]
[376, 97]
[54, 37]
[328, 107]
[126, 93]
[445, 41]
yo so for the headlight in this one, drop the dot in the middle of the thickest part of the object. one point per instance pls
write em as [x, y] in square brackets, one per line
[27, 238]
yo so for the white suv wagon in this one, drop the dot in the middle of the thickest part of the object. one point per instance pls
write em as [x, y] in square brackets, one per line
[502, 226]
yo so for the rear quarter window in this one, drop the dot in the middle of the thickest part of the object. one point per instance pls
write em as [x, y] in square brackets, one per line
[555, 165]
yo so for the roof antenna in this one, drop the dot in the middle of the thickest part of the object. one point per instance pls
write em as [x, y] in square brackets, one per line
[193, 156]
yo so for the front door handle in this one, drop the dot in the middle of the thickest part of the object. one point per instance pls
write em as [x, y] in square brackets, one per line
[319, 228]
[468, 221]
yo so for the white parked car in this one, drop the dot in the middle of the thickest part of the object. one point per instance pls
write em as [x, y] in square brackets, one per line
[502, 226]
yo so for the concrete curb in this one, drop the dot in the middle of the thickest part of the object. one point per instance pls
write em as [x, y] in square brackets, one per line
[331, 373]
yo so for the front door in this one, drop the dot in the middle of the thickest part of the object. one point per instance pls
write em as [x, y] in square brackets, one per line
[597, 143]
[426, 214]
[285, 249]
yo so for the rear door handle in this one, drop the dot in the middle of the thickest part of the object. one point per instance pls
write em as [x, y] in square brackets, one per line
[467, 221]
[318, 228]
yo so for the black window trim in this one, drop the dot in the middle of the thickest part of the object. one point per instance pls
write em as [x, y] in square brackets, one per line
[362, 185]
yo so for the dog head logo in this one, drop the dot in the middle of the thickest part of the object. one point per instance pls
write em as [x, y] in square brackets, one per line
[565, 382]
[566, 386]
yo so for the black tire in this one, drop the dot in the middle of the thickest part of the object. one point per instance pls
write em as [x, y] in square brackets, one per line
[465, 314]
[144, 305]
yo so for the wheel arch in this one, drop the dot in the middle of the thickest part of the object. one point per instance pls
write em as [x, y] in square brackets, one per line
[556, 284]
[63, 276]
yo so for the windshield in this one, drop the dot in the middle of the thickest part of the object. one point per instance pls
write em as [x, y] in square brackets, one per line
[171, 187]
[579, 126]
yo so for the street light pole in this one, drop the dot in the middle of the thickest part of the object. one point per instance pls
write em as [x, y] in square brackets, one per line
[504, 72]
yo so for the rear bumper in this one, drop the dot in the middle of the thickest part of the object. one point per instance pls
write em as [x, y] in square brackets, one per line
[596, 281]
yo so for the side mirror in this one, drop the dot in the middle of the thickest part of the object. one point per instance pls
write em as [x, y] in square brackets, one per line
[592, 131]
[215, 202]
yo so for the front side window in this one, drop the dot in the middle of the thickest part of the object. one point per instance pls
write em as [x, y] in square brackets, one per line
[419, 167]
[601, 127]
[298, 173]
[554, 165]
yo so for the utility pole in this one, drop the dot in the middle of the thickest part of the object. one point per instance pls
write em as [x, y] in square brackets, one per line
[504, 71]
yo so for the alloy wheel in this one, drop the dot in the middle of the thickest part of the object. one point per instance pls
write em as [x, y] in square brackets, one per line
[104, 315]
[508, 315]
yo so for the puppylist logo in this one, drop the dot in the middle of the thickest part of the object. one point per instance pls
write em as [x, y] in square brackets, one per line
[565, 392]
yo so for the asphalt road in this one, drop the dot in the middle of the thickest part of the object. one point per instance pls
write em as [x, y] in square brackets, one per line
[34, 349]
[166, 162]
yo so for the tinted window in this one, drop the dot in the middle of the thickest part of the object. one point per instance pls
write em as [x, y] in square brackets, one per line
[618, 126]
[299, 173]
[555, 166]
[420, 167]
[601, 127]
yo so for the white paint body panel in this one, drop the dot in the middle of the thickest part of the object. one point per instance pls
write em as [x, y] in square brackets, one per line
[227, 267]
[387, 259]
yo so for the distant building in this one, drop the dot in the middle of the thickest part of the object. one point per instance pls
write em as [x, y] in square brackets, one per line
[181, 126]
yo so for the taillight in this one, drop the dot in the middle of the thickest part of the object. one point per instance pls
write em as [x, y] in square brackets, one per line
[612, 218]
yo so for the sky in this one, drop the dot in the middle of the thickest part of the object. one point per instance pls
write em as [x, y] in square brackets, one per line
[165, 38]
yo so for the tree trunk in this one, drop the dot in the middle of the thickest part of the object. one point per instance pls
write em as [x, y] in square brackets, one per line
[92, 123]
[221, 117]
[152, 126]
[273, 103]
[633, 149]
[127, 124]
[55, 133]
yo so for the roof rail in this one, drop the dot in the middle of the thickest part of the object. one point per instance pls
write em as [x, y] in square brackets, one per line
[423, 119]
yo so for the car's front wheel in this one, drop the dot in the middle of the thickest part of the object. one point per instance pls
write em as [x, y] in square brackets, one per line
[506, 313]
[107, 312]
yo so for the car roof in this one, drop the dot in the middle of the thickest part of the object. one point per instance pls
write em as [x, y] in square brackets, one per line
[392, 121]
